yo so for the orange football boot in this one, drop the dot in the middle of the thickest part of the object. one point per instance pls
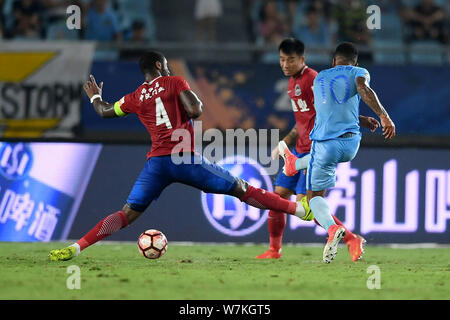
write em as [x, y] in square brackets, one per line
[289, 159]
[270, 254]
[355, 247]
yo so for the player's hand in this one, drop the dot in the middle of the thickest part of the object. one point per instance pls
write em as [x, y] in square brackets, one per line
[370, 123]
[275, 153]
[91, 88]
[388, 127]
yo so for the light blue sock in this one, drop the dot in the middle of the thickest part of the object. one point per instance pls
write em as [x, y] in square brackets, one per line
[321, 212]
[302, 163]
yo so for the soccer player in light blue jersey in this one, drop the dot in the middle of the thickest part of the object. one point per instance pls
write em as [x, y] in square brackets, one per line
[336, 135]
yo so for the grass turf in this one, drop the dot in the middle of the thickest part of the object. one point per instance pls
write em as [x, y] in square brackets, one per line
[118, 271]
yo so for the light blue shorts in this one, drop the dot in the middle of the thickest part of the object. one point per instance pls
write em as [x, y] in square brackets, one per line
[325, 156]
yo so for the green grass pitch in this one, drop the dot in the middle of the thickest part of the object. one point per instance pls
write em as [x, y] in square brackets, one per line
[118, 271]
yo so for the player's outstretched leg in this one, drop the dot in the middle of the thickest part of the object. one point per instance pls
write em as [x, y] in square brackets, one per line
[212, 178]
[263, 199]
[104, 228]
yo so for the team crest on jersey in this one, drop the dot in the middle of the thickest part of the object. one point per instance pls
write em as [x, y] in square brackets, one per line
[298, 91]
[228, 214]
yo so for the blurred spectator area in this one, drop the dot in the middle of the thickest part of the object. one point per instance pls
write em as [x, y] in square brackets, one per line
[415, 31]
[103, 20]
[412, 31]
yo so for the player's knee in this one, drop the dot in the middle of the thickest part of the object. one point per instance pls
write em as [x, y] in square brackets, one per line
[300, 196]
[312, 194]
[283, 192]
[240, 188]
[131, 214]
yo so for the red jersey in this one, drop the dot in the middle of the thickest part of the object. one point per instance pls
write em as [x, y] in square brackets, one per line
[302, 100]
[158, 106]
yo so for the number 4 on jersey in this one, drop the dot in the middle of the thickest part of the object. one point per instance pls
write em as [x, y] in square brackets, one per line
[161, 114]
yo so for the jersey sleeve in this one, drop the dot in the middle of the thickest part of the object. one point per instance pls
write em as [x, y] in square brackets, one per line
[361, 72]
[180, 85]
[128, 104]
[310, 87]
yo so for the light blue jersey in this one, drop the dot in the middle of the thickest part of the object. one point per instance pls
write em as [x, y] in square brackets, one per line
[336, 100]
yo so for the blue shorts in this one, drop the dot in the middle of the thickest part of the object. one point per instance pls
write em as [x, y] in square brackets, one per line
[159, 172]
[295, 183]
[325, 156]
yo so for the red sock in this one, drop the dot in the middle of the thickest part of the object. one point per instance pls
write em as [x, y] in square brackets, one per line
[104, 228]
[263, 199]
[348, 234]
[276, 223]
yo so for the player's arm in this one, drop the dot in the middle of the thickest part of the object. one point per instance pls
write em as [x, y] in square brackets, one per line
[291, 137]
[371, 99]
[368, 122]
[94, 92]
[192, 104]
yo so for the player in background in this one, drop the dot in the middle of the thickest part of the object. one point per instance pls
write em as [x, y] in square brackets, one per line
[165, 105]
[292, 62]
[336, 134]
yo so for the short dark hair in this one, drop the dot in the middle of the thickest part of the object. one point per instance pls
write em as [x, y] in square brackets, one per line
[291, 45]
[348, 51]
[148, 60]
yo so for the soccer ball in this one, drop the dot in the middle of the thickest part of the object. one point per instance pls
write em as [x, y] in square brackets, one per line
[152, 244]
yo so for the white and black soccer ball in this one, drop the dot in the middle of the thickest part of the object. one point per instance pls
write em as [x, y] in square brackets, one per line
[152, 244]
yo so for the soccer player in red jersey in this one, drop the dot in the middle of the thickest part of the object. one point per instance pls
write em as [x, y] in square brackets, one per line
[165, 105]
[292, 62]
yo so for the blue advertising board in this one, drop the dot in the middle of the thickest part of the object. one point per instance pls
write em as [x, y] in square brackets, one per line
[53, 191]
[386, 195]
[41, 187]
